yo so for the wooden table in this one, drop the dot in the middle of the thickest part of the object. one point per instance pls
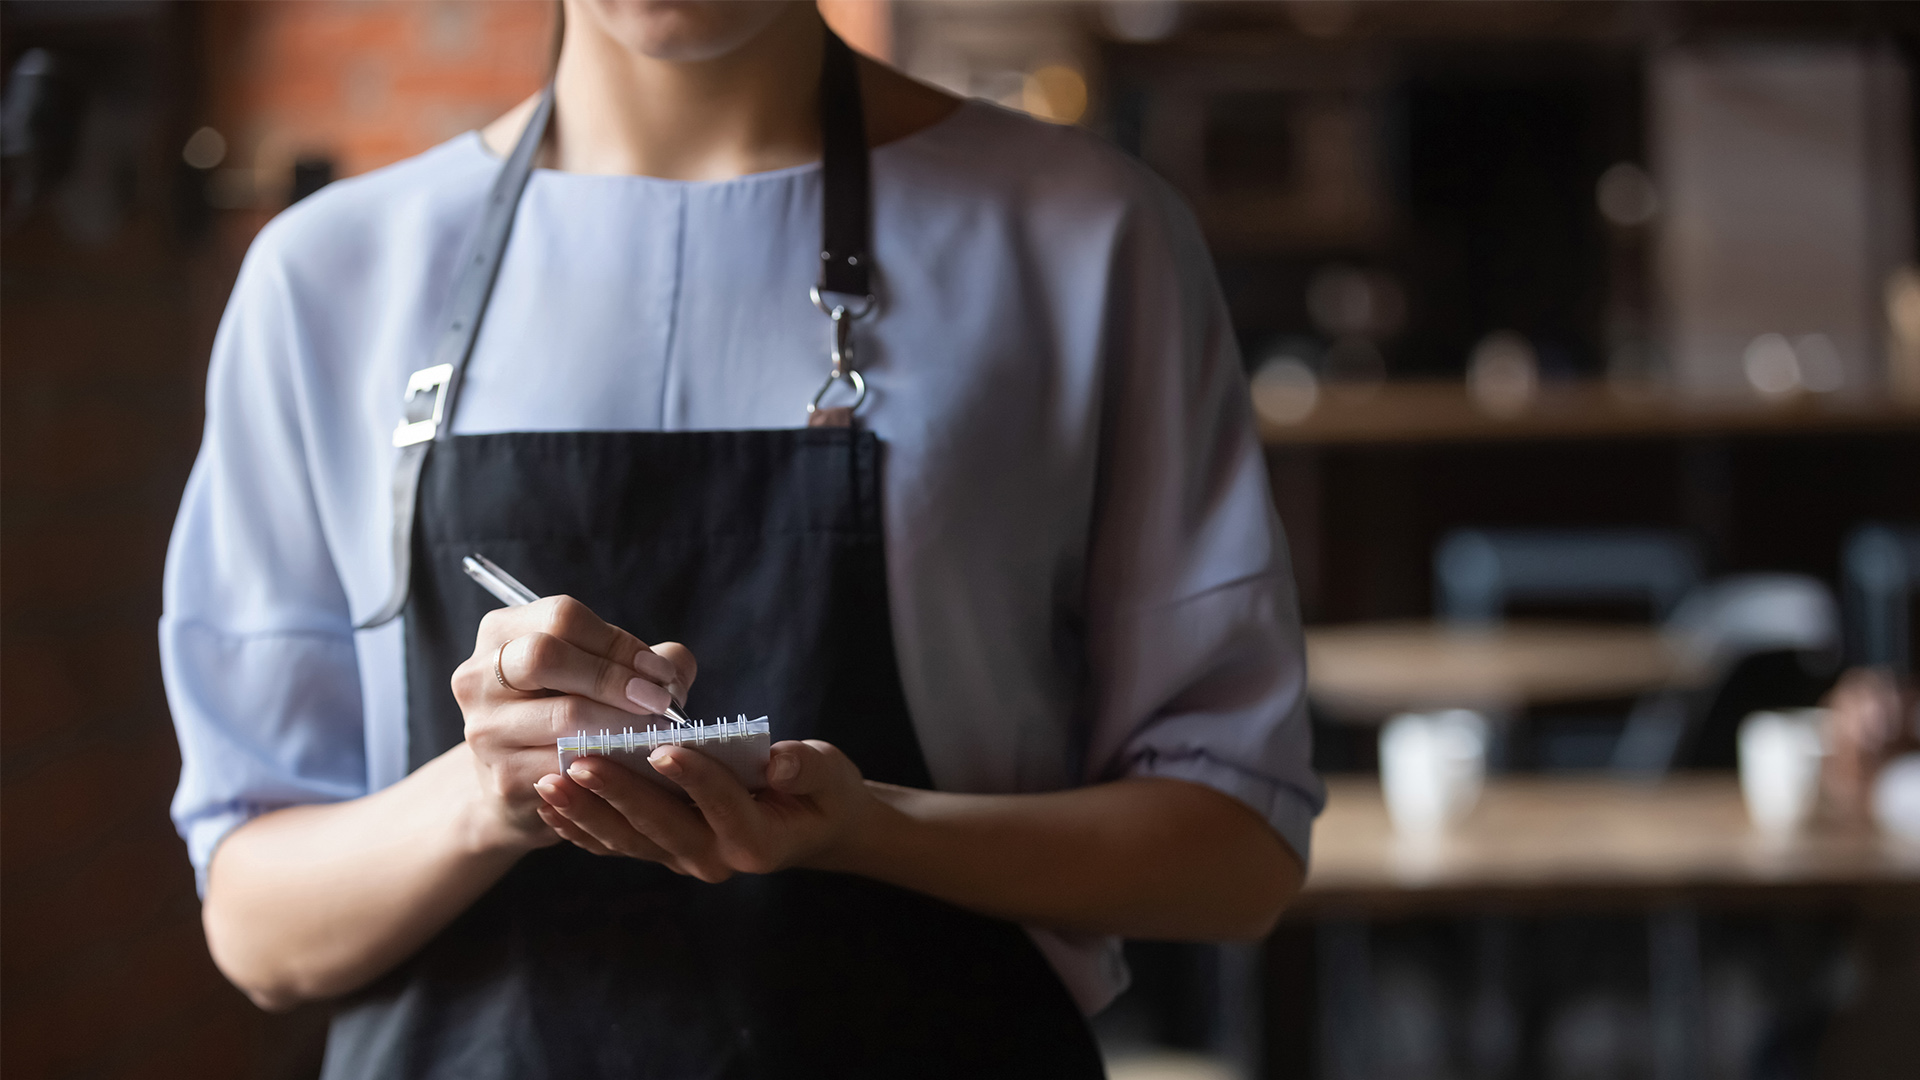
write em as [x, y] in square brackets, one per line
[1367, 671]
[1543, 845]
[1443, 411]
[1536, 842]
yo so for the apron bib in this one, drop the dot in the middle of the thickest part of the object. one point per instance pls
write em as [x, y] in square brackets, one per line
[763, 551]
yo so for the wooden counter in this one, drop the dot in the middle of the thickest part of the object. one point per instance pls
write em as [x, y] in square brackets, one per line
[1541, 842]
[1439, 411]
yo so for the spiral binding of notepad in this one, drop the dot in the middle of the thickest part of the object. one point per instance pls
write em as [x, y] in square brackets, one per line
[741, 745]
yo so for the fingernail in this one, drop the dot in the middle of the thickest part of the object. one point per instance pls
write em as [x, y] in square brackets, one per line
[664, 763]
[583, 776]
[648, 696]
[785, 768]
[550, 790]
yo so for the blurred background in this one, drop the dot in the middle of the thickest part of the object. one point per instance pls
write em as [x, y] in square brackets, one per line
[1585, 341]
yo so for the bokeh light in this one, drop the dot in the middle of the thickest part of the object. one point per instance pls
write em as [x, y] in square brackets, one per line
[1285, 389]
[1626, 195]
[1503, 374]
[1055, 92]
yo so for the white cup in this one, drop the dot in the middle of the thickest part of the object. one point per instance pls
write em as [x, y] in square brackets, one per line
[1896, 798]
[1780, 756]
[1432, 766]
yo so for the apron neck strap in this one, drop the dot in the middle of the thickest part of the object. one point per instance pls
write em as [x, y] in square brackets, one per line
[474, 287]
[845, 213]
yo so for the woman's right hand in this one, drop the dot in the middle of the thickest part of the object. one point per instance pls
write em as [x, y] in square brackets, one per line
[539, 672]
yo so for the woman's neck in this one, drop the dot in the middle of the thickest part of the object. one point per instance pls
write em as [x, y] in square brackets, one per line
[752, 110]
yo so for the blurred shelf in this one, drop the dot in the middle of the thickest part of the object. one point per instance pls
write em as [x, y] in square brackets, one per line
[1541, 843]
[1364, 672]
[1441, 411]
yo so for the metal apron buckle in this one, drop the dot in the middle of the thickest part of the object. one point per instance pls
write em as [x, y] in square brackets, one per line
[840, 348]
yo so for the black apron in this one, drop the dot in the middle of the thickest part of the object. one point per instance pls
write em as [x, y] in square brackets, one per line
[762, 551]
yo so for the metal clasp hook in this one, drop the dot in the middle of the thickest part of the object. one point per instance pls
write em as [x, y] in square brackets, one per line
[859, 393]
[840, 341]
[840, 319]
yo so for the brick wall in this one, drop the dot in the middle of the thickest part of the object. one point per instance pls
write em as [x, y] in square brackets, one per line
[363, 84]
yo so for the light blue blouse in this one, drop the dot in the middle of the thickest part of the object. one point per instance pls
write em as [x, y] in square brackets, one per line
[1086, 574]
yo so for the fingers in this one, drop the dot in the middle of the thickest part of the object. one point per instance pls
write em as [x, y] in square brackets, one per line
[569, 619]
[727, 829]
[586, 820]
[543, 661]
[538, 722]
[803, 768]
[730, 812]
[630, 805]
[685, 668]
[576, 624]
[573, 834]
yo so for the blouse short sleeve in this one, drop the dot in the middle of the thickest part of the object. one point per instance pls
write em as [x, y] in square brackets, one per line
[1194, 638]
[256, 643]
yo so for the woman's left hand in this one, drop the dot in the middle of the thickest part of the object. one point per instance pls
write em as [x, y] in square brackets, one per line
[814, 806]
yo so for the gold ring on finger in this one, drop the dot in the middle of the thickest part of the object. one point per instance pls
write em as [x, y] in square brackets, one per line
[498, 674]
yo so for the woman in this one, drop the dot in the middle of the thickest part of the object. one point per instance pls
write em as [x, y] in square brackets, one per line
[981, 523]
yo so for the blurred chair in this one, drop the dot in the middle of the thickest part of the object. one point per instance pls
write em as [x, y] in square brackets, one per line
[1882, 568]
[1736, 616]
[1757, 640]
[1479, 573]
[1760, 641]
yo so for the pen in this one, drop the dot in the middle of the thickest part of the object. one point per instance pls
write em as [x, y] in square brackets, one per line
[507, 589]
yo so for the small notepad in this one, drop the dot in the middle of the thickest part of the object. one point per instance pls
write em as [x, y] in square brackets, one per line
[741, 745]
